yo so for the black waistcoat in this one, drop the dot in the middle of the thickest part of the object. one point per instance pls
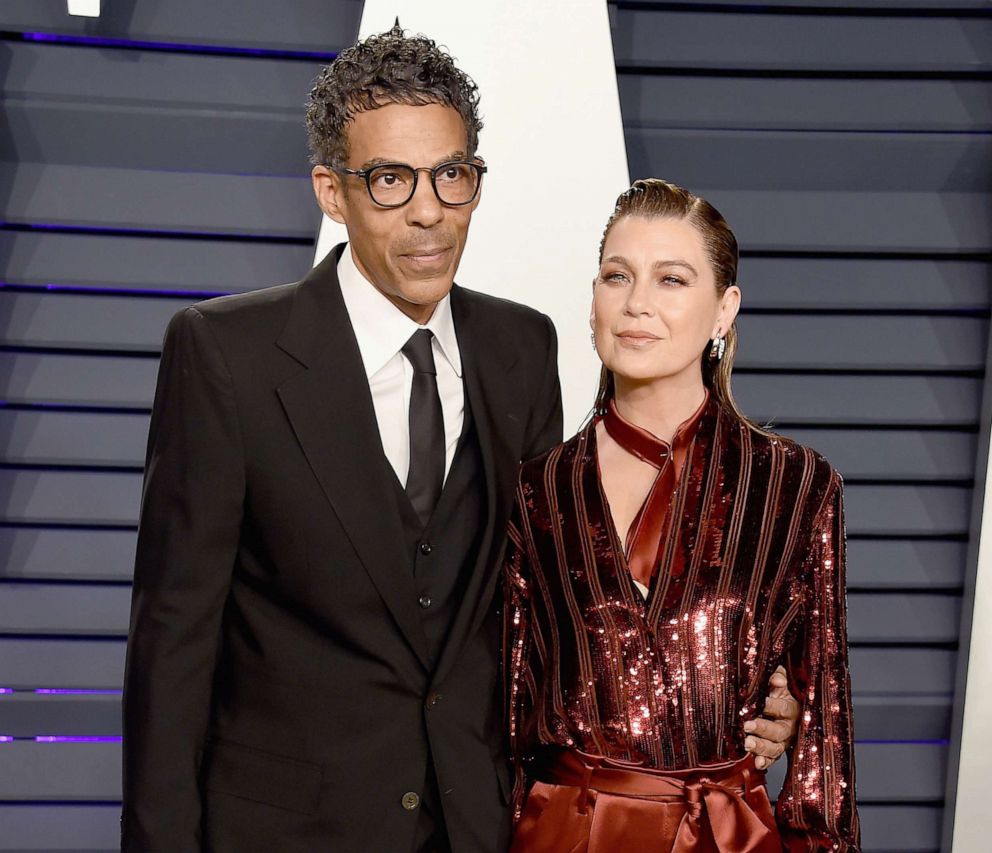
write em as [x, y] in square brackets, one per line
[442, 555]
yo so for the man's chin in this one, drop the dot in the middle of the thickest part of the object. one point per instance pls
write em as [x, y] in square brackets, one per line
[424, 289]
[415, 297]
[428, 292]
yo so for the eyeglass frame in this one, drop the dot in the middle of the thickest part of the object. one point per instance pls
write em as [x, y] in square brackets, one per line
[364, 174]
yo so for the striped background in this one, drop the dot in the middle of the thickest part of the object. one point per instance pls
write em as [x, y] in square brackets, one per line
[157, 155]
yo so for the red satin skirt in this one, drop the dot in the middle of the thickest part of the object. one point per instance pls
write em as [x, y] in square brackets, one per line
[581, 803]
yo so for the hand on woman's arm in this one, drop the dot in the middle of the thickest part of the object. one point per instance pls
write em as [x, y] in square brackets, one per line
[769, 736]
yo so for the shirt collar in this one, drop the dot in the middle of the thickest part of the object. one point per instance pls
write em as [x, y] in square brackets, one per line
[646, 445]
[381, 328]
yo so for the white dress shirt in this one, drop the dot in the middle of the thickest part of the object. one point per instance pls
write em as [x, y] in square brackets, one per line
[382, 331]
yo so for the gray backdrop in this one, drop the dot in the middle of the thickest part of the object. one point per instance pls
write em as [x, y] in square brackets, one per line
[848, 144]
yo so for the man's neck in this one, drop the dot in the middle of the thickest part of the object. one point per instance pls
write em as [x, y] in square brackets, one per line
[420, 314]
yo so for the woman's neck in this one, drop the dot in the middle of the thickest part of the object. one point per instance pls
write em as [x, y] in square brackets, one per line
[660, 406]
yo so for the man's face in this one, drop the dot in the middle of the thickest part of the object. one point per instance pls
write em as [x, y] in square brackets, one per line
[409, 253]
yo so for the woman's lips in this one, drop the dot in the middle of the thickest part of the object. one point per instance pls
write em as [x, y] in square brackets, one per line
[637, 339]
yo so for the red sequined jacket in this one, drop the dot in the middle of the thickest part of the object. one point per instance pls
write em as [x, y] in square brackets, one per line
[751, 575]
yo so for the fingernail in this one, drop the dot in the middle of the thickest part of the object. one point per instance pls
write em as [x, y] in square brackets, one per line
[759, 762]
[749, 726]
[749, 743]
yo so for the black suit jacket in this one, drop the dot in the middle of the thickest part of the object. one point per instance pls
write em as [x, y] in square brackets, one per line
[277, 682]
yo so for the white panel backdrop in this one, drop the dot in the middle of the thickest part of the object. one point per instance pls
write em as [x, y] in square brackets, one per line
[972, 816]
[553, 141]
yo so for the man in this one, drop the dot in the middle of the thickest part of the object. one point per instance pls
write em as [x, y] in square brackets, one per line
[312, 661]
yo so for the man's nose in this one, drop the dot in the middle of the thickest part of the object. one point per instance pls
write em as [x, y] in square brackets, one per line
[424, 208]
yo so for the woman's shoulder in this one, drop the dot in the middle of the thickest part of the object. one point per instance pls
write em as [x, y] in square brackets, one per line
[567, 453]
[803, 459]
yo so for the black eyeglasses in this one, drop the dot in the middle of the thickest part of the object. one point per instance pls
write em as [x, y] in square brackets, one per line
[393, 184]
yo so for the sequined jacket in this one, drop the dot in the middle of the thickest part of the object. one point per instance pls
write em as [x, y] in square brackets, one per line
[751, 576]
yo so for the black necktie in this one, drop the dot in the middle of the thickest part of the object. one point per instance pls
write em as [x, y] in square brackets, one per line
[426, 475]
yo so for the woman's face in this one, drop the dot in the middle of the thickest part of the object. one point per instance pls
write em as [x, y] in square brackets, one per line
[655, 304]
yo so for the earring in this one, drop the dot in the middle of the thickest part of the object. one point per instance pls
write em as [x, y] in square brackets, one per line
[592, 337]
[718, 348]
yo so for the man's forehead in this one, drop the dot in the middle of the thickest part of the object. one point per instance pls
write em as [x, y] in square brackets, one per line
[402, 133]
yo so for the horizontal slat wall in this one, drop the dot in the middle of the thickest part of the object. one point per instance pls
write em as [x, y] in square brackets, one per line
[56, 437]
[877, 242]
[154, 157]
[108, 380]
[106, 264]
[301, 25]
[849, 144]
[670, 36]
[110, 498]
[951, 344]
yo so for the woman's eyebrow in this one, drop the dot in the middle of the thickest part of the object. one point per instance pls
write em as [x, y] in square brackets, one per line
[675, 263]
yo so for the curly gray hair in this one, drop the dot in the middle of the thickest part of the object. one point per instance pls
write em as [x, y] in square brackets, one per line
[389, 68]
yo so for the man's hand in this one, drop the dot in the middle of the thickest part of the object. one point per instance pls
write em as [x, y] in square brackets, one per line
[769, 736]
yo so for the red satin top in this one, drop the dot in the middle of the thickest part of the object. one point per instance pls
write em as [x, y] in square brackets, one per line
[643, 540]
[749, 573]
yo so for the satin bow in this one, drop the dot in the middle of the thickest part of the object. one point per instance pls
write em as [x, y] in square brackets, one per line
[725, 813]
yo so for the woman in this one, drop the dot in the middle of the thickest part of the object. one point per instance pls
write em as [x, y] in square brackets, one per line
[661, 564]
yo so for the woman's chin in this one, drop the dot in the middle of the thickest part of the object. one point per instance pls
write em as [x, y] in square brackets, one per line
[645, 374]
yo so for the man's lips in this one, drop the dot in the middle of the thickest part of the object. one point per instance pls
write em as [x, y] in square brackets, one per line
[430, 254]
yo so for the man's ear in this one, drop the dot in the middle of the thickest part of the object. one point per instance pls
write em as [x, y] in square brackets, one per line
[329, 190]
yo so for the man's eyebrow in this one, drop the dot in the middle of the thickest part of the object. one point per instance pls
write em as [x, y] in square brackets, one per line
[375, 161]
[378, 161]
[616, 259]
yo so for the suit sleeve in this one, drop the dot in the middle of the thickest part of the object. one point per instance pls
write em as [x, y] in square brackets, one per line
[817, 810]
[545, 427]
[187, 542]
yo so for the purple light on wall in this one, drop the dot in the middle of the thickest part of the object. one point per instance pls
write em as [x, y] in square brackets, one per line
[6, 690]
[165, 233]
[96, 41]
[76, 739]
[134, 291]
[102, 290]
[6, 739]
[72, 691]
[937, 742]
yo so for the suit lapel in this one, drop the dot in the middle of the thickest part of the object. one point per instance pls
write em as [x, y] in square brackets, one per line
[329, 405]
[490, 380]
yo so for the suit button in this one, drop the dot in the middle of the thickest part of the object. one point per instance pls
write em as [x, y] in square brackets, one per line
[410, 801]
[425, 548]
[425, 601]
[432, 700]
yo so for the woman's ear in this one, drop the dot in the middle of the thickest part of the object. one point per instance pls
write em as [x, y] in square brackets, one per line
[730, 304]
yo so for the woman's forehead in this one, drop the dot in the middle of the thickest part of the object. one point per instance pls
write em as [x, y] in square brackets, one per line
[648, 241]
